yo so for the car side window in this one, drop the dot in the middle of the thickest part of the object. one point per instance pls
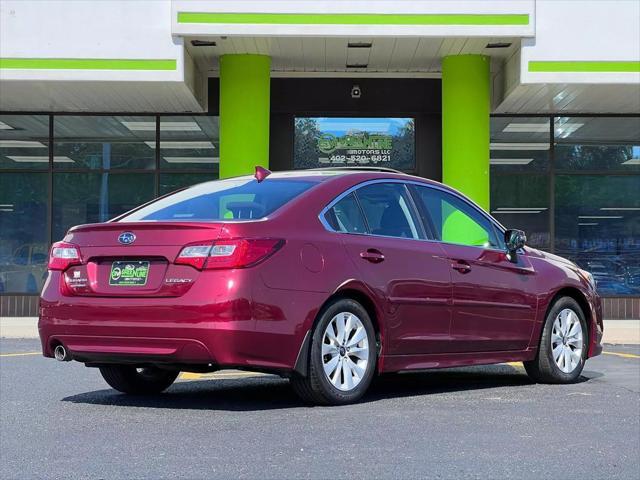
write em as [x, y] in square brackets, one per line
[345, 216]
[387, 208]
[455, 221]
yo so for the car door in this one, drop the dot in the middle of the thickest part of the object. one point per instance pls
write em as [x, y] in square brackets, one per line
[494, 300]
[409, 274]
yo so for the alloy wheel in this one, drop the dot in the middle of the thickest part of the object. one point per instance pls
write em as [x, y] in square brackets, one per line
[567, 340]
[345, 351]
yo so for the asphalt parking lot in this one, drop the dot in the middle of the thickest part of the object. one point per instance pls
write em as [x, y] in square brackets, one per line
[62, 421]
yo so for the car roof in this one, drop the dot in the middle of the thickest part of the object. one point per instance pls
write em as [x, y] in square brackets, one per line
[362, 173]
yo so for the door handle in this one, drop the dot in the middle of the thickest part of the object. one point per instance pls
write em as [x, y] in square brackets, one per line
[372, 255]
[461, 266]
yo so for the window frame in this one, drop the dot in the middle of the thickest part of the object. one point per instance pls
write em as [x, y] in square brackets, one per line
[426, 230]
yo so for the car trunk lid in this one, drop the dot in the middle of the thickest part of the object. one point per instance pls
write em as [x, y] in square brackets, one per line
[138, 264]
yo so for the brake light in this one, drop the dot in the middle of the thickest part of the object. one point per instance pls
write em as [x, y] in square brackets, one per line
[63, 255]
[223, 254]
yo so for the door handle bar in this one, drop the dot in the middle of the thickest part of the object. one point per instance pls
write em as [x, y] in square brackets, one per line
[372, 255]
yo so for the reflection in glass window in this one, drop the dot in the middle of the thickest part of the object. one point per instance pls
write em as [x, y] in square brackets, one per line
[103, 142]
[96, 197]
[597, 224]
[522, 202]
[234, 198]
[455, 221]
[588, 143]
[189, 143]
[24, 141]
[519, 144]
[24, 239]
[170, 182]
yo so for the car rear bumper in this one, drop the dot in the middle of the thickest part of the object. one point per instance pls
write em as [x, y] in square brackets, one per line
[250, 326]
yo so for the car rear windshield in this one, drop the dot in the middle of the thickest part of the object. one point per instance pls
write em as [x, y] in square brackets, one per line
[224, 200]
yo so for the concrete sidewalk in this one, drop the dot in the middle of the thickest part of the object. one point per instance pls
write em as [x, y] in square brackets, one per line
[615, 331]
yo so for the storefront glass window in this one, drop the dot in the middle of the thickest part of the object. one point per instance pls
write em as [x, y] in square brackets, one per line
[96, 197]
[189, 143]
[24, 236]
[351, 142]
[598, 143]
[173, 181]
[597, 224]
[24, 142]
[522, 202]
[103, 142]
[520, 144]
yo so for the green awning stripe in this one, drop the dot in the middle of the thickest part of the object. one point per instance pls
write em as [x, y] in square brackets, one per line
[86, 64]
[353, 18]
[584, 66]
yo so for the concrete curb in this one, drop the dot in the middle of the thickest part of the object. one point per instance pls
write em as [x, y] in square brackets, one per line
[615, 331]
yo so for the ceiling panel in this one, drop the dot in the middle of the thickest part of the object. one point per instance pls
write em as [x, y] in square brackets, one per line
[331, 54]
[571, 98]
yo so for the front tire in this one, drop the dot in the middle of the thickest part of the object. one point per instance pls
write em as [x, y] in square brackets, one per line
[138, 381]
[342, 356]
[563, 346]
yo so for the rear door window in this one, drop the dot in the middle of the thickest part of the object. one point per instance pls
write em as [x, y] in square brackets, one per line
[388, 210]
[233, 199]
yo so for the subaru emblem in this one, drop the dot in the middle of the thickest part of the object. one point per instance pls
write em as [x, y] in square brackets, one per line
[127, 238]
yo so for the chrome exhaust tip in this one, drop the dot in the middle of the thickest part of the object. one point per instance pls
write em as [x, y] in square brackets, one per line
[60, 354]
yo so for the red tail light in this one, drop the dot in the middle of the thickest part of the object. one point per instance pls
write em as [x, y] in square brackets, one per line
[63, 255]
[236, 253]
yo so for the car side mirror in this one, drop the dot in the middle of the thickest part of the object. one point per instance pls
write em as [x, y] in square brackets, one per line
[514, 240]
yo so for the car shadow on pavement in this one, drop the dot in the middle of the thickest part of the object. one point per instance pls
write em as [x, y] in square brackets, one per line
[270, 392]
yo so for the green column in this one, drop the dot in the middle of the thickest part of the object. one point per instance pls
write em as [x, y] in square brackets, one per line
[465, 125]
[244, 113]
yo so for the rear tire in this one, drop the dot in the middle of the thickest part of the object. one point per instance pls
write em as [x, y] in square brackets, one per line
[342, 357]
[138, 381]
[563, 345]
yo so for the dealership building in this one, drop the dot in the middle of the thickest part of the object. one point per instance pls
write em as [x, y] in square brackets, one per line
[530, 107]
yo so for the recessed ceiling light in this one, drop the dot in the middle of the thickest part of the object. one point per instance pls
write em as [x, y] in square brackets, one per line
[6, 209]
[357, 65]
[566, 129]
[521, 208]
[39, 159]
[203, 43]
[21, 144]
[498, 45]
[192, 159]
[510, 161]
[518, 146]
[600, 216]
[4, 126]
[359, 45]
[515, 212]
[527, 127]
[6, 205]
[164, 145]
[164, 126]
[621, 208]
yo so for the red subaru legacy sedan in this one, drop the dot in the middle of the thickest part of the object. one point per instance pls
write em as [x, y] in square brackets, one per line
[327, 277]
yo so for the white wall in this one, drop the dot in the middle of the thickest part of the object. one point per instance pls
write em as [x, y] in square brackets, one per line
[585, 30]
[356, 6]
[107, 29]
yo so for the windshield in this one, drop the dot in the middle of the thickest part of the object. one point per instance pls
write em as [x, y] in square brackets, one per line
[233, 199]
